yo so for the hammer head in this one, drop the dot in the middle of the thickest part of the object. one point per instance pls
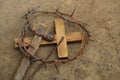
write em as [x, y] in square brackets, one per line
[43, 32]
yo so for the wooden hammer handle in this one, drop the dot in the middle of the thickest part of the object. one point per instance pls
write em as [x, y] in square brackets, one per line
[25, 63]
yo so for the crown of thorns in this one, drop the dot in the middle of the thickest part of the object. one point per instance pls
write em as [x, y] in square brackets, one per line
[65, 17]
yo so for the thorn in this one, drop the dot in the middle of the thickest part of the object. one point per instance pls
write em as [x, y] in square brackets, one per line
[45, 66]
[56, 68]
[57, 9]
[73, 11]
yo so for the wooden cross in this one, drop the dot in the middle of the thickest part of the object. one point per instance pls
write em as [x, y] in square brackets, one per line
[60, 31]
[62, 48]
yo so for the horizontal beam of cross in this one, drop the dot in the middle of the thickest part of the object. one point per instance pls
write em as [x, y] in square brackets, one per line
[70, 37]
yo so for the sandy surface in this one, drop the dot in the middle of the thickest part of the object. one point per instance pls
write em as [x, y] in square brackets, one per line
[101, 60]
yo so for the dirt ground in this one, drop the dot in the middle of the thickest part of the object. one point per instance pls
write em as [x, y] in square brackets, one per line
[101, 60]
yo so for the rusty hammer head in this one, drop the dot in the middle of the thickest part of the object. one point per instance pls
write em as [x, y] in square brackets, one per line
[42, 31]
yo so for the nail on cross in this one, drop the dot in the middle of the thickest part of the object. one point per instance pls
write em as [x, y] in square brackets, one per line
[60, 31]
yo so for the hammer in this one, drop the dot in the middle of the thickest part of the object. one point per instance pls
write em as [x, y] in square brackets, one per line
[39, 33]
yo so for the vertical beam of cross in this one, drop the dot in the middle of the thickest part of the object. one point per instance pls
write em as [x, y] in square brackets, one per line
[60, 31]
